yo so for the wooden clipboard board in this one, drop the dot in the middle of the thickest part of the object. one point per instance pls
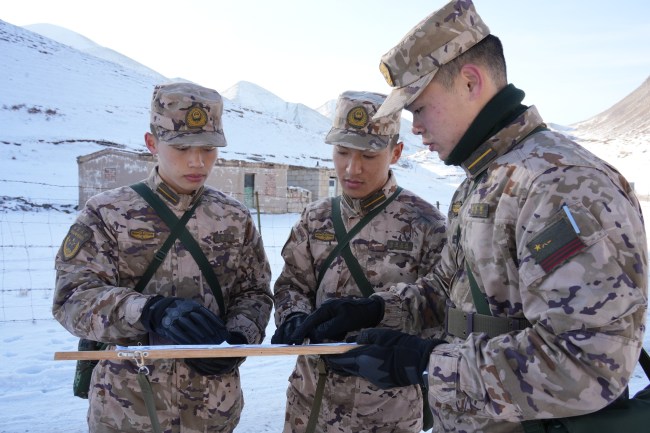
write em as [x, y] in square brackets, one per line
[170, 352]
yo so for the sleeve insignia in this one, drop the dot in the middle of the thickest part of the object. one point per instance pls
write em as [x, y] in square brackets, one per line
[555, 245]
[78, 235]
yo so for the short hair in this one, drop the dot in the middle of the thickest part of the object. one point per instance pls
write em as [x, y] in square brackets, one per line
[487, 53]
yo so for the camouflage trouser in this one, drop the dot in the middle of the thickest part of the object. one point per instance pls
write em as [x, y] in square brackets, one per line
[184, 400]
[447, 420]
[350, 404]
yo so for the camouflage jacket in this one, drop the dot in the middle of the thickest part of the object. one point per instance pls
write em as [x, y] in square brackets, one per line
[553, 234]
[401, 243]
[102, 258]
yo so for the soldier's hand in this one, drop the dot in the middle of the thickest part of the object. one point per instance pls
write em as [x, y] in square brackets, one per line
[218, 366]
[336, 317]
[283, 333]
[387, 359]
[183, 321]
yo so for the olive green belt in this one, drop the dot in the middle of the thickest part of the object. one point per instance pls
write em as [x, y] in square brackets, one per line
[461, 323]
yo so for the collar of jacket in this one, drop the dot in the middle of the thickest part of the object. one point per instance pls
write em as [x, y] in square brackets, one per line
[528, 123]
[175, 200]
[362, 206]
[504, 108]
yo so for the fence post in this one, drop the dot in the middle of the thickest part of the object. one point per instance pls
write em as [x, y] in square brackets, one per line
[257, 204]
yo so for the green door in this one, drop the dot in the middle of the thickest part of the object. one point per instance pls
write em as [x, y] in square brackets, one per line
[249, 190]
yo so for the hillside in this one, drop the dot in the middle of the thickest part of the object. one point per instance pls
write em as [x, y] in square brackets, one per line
[59, 103]
[68, 97]
[627, 119]
[621, 136]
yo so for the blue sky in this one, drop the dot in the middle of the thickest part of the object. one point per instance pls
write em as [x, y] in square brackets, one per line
[574, 59]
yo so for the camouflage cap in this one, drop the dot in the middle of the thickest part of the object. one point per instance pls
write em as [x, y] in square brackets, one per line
[355, 127]
[188, 114]
[439, 38]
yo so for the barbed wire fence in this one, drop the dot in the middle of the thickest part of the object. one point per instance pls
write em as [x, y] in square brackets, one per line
[32, 229]
[29, 242]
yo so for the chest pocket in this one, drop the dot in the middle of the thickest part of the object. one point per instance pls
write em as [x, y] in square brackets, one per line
[395, 261]
[137, 245]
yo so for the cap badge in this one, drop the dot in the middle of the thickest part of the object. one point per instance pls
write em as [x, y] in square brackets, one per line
[357, 117]
[196, 117]
[386, 73]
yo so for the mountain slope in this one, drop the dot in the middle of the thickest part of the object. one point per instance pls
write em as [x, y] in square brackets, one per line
[59, 103]
[627, 119]
[83, 44]
[620, 135]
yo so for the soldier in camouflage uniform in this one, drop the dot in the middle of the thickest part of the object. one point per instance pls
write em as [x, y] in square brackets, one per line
[401, 243]
[113, 241]
[551, 237]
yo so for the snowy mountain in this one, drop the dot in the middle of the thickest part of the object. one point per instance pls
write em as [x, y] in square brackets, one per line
[83, 44]
[68, 98]
[621, 135]
[629, 119]
[262, 101]
[328, 109]
[59, 102]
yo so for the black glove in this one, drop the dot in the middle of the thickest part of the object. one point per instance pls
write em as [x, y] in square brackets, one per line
[282, 334]
[336, 317]
[183, 321]
[389, 358]
[217, 366]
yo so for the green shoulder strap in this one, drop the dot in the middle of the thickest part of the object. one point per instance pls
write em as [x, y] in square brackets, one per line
[186, 238]
[344, 238]
[159, 257]
[480, 302]
[351, 261]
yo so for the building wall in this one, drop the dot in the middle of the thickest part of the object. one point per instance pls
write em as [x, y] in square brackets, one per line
[315, 180]
[112, 168]
[297, 199]
[270, 184]
[108, 169]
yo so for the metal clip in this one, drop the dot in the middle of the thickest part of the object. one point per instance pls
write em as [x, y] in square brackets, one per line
[139, 356]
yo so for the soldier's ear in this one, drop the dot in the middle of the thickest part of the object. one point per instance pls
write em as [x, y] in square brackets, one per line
[151, 142]
[396, 152]
[472, 77]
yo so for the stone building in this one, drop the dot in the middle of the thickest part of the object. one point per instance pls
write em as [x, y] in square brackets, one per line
[269, 187]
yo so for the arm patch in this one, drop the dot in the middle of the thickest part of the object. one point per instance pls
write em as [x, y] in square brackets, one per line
[555, 245]
[78, 235]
